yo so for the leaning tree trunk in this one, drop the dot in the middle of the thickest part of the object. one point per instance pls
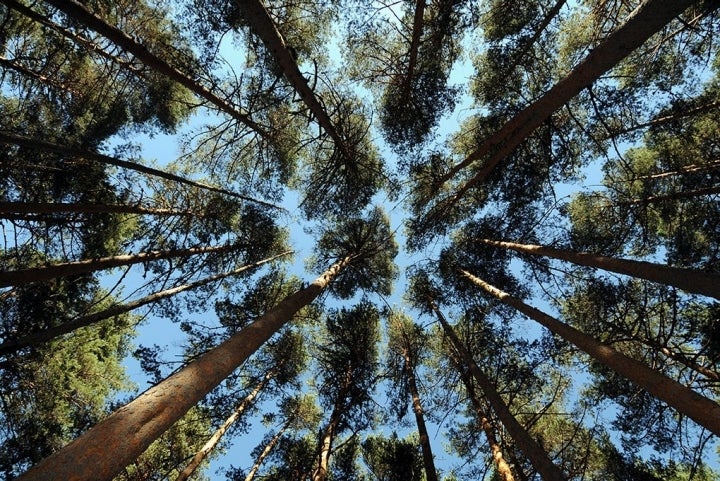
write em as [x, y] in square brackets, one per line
[43, 146]
[268, 449]
[85, 266]
[104, 450]
[220, 432]
[89, 319]
[502, 467]
[428, 462]
[326, 443]
[688, 194]
[702, 410]
[649, 18]
[79, 12]
[690, 280]
[534, 452]
[7, 208]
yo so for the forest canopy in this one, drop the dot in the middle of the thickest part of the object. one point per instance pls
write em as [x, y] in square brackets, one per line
[359, 240]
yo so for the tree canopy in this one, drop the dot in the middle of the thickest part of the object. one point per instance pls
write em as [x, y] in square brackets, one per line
[510, 210]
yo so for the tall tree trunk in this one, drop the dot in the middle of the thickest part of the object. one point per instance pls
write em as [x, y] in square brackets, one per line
[78, 208]
[534, 452]
[46, 273]
[649, 18]
[502, 467]
[428, 461]
[217, 435]
[268, 449]
[417, 31]
[79, 12]
[42, 146]
[665, 119]
[89, 319]
[21, 69]
[689, 280]
[687, 169]
[702, 410]
[104, 450]
[326, 444]
[261, 23]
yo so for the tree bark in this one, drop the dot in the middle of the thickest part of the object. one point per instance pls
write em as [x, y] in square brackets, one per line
[263, 26]
[689, 280]
[428, 461]
[42, 146]
[646, 20]
[89, 319]
[46, 273]
[418, 23]
[688, 194]
[268, 449]
[502, 467]
[104, 450]
[79, 12]
[217, 435]
[702, 410]
[534, 452]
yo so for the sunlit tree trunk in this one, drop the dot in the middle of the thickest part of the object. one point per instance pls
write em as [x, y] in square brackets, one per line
[502, 467]
[534, 452]
[268, 449]
[690, 280]
[83, 321]
[702, 410]
[104, 450]
[220, 432]
[326, 444]
[46, 273]
[79, 12]
[649, 18]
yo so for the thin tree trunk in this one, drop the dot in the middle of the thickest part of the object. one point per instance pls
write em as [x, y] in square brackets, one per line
[21, 69]
[682, 359]
[42, 146]
[104, 450]
[687, 169]
[46, 273]
[689, 280]
[326, 443]
[428, 461]
[77, 208]
[534, 452]
[87, 320]
[268, 449]
[263, 26]
[702, 410]
[79, 12]
[646, 20]
[502, 467]
[665, 119]
[418, 23]
[217, 435]
[688, 194]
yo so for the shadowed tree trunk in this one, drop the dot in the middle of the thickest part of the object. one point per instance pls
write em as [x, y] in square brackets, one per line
[105, 449]
[702, 410]
[42, 146]
[688, 194]
[76, 208]
[534, 452]
[79, 12]
[83, 321]
[690, 280]
[46, 273]
[268, 448]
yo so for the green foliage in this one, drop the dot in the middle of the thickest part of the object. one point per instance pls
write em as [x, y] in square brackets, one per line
[392, 459]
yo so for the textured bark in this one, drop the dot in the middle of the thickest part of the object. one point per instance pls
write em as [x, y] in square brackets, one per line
[79, 12]
[46, 273]
[534, 452]
[263, 26]
[648, 19]
[89, 319]
[326, 443]
[428, 462]
[42, 146]
[702, 410]
[689, 280]
[220, 432]
[104, 450]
